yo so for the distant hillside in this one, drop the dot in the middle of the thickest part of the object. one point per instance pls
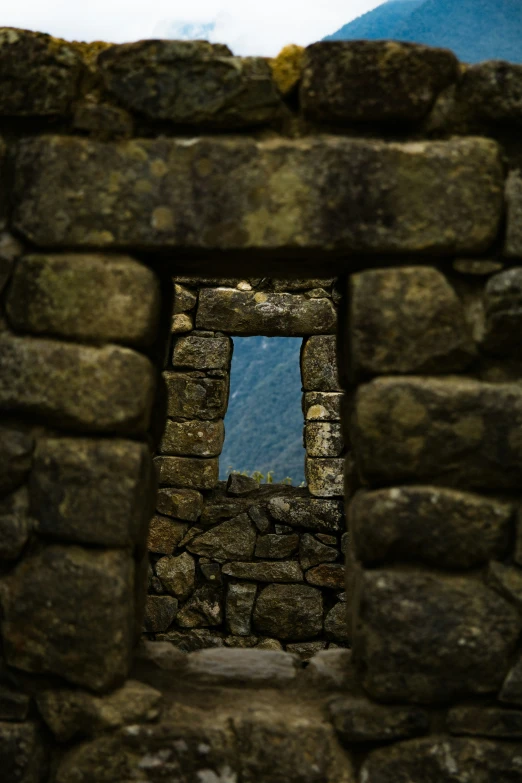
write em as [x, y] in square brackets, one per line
[476, 30]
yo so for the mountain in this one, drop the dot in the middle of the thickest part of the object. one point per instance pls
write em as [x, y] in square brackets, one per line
[476, 30]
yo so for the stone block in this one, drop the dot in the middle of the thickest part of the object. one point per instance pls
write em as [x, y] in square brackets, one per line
[212, 194]
[92, 491]
[494, 722]
[440, 527]
[338, 624]
[193, 438]
[177, 575]
[290, 612]
[239, 485]
[259, 668]
[322, 406]
[22, 754]
[234, 539]
[181, 323]
[253, 313]
[160, 611]
[165, 534]
[503, 310]
[511, 692]
[276, 547]
[323, 439]
[203, 609]
[191, 83]
[493, 89]
[184, 504]
[373, 81]
[325, 477]
[102, 120]
[187, 472]
[91, 298]
[195, 398]
[40, 74]
[312, 552]
[54, 380]
[239, 607]
[69, 611]
[506, 580]
[457, 432]
[202, 353]
[190, 641]
[329, 575]
[265, 571]
[319, 364]
[406, 320]
[513, 243]
[360, 720]
[184, 299]
[16, 450]
[16, 524]
[426, 638]
[321, 516]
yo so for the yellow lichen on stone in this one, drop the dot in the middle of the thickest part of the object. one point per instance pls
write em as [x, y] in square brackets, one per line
[287, 67]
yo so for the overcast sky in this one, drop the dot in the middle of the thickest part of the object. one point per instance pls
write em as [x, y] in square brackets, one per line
[247, 27]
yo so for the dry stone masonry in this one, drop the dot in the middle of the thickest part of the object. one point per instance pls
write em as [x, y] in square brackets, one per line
[157, 200]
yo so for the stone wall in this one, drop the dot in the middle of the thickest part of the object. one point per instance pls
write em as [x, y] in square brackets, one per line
[390, 167]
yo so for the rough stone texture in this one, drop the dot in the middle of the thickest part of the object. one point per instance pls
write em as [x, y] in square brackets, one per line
[406, 320]
[328, 193]
[327, 575]
[190, 641]
[457, 431]
[494, 89]
[10, 247]
[92, 491]
[184, 299]
[258, 313]
[290, 612]
[177, 575]
[323, 439]
[360, 720]
[187, 472]
[239, 485]
[186, 504]
[322, 406]
[440, 527]
[506, 580]
[40, 74]
[191, 83]
[337, 624]
[319, 364]
[181, 323]
[202, 353]
[234, 539]
[276, 547]
[373, 81]
[193, 438]
[443, 760]
[259, 668]
[325, 477]
[512, 688]
[195, 398]
[44, 631]
[72, 713]
[494, 722]
[332, 669]
[16, 524]
[165, 534]
[54, 380]
[513, 244]
[322, 516]
[260, 518]
[269, 571]
[160, 611]
[312, 552]
[102, 120]
[503, 309]
[204, 608]
[427, 638]
[93, 298]
[16, 449]
[22, 754]
[239, 607]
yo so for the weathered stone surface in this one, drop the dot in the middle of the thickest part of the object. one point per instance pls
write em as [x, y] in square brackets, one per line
[426, 638]
[322, 406]
[211, 571]
[319, 364]
[239, 607]
[16, 524]
[406, 320]
[259, 668]
[92, 491]
[190, 641]
[312, 552]
[323, 439]
[204, 608]
[54, 380]
[193, 438]
[511, 692]
[184, 299]
[260, 518]
[213, 194]
[325, 477]
[441, 527]
[85, 297]
[323, 516]
[202, 353]
[457, 431]
[513, 244]
[333, 669]
[165, 534]
[374, 81]
[494, 89]
[177, 575]
[160, 611]
[14, 705]
[181, 323]
[477, 268]
[40, 74]
[265, 571]
[485, 722]
[187, 472]
[275, 547]
[443, 760]
[102, 120]
[234, 539]
[185, 504]
[337, 624]
[503, 309]
[239, 485]
[251, 313]
[69, 611]
[22, 755]
[327, 575]
[506, 580]
[360, 720]
[10, 247]
[72, 713]
[290, 612]
[269, 644]
[191, 83]
[305, 650]
[195, 398]
[16, 449]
